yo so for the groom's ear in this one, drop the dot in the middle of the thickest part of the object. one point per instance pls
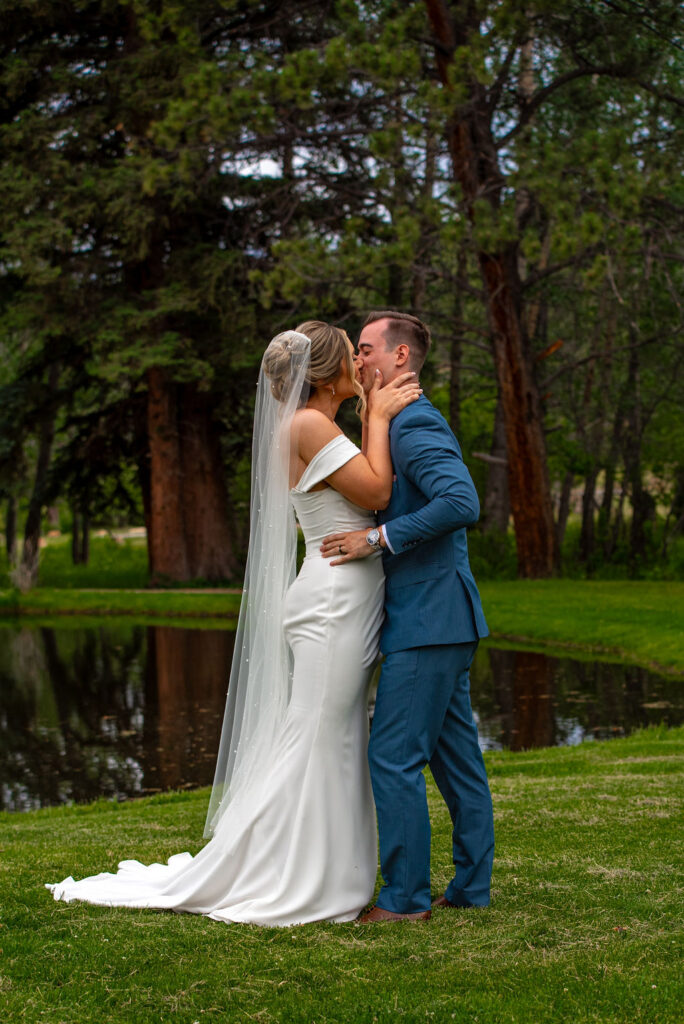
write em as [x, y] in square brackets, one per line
[402, 355]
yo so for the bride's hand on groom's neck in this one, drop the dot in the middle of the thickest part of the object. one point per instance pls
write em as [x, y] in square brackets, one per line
[387, 400]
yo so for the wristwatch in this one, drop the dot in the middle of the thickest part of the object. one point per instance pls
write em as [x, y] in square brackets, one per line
[373, 539]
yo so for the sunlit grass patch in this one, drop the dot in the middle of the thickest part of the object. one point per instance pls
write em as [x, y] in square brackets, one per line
[639, 621]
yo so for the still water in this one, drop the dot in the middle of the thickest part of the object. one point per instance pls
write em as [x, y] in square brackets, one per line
[121, 710]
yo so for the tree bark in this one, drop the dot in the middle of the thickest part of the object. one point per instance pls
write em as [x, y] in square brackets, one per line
[476, 167]
[205, 497]
[497, 507]
[167, 545]
[188, 521]
[564, 507]
[31, 551]
[11, 531]
[456, 348]
[641, 501]
[606, 533]
[455, 351]
[528, 482]
[75, 537]
[85, 539]
[587, 534]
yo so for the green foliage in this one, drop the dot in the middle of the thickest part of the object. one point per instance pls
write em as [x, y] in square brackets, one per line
[181, 181]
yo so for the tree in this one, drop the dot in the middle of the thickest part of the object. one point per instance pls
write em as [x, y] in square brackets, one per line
[503, 66]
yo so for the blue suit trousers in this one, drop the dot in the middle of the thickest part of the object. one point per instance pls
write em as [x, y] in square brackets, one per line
[423, 716]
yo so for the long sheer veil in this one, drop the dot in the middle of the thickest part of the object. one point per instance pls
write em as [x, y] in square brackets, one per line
[261, 672]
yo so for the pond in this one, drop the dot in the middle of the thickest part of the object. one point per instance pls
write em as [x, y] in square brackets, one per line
[123, 709]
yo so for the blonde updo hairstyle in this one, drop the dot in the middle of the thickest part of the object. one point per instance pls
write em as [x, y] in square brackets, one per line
[329, 349]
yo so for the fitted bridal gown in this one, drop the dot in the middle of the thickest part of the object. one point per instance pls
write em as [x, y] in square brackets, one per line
[299, 844]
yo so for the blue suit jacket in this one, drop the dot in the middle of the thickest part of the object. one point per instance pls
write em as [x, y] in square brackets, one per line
[430, 594]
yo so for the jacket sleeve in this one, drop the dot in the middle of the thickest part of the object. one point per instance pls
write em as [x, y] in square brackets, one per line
[426, 452]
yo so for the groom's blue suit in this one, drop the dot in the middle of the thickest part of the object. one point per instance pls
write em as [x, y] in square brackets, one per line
[433, 621]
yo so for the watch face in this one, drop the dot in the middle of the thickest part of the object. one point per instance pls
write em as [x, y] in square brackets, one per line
[373, 538]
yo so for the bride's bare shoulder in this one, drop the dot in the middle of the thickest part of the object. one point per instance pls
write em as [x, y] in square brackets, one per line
[312, 430]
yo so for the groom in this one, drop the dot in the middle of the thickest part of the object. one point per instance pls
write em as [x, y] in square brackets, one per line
[433, 621]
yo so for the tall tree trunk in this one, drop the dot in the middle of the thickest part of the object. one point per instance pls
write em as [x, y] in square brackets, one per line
[475, 163]
[85, 539]
[166, 542]
[632, 460]
[564, 506]
[618, 519]
[455, 351]
[497, 506]
[586, 545]
[528, 482]
[419, 282]
[675, 516]
[456, 347]
[140, 426]
[606, 533]
[75, 537]
[188, 522]
[205, 498]
[11, 530]
[46, 434]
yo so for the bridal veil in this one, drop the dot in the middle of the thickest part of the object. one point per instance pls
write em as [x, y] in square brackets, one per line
[261, 671]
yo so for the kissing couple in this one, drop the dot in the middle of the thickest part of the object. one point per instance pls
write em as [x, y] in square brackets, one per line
[292, 814]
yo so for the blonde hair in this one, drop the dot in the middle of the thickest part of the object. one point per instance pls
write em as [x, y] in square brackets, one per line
[329, 349]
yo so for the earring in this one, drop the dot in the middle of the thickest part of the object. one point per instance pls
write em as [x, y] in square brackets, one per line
[333, 390]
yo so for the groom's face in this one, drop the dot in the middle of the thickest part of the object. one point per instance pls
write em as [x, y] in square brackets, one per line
[374, 355]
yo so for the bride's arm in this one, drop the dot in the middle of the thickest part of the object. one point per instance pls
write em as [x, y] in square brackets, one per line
[367, 478]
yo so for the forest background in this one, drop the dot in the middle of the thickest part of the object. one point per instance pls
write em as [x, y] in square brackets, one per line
[181, 181]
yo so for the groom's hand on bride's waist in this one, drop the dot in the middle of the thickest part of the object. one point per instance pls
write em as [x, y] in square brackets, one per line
[345, 547]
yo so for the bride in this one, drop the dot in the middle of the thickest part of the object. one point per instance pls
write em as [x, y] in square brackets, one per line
[291, 815]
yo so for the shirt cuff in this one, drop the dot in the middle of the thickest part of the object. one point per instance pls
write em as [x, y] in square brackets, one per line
[384, 533]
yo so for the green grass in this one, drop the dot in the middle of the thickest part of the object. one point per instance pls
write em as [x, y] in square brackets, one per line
[112, 563]
[639, 621]
[153, 604]
[585, 923]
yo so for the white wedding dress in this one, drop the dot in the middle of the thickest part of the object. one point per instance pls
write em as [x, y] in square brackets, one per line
[299, 844]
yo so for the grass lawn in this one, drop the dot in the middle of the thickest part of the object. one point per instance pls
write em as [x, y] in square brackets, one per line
[46, 602]
[585, 923]
[636, 620]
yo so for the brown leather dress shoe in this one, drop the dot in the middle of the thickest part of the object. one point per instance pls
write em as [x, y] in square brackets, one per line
[376, 914]
[442, 901]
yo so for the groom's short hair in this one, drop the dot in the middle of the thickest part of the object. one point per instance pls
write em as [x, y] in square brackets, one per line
[406, 329]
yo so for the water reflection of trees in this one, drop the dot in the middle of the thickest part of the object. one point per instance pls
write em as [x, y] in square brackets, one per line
[527, 699]
[111, 711]
[187, 679]
[68, 705]
[120, 710]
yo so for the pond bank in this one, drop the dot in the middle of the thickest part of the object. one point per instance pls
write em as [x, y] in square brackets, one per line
[639, 621]
[93, 706]
[635, 621]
